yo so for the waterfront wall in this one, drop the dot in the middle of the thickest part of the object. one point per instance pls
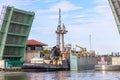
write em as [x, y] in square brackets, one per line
[107, 60]
[86, 62]
[82, 62]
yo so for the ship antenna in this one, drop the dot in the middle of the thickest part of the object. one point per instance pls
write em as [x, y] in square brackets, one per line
[59, 16]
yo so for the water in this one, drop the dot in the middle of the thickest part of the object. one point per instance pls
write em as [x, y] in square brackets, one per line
[61, 75]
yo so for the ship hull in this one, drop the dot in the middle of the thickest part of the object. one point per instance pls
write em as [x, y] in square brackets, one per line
[31, 67]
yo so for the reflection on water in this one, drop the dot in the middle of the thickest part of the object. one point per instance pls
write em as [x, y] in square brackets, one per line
[12, 76]
[61, 75]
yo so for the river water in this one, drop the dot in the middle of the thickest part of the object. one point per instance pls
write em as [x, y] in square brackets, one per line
[61, 75]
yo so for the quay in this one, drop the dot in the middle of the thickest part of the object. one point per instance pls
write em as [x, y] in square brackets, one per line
[108, 63]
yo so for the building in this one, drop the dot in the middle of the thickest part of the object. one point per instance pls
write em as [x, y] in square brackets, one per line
[34, 45]
[14, 31]
[33, 48]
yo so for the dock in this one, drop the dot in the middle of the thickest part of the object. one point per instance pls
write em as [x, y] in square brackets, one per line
[108, 63]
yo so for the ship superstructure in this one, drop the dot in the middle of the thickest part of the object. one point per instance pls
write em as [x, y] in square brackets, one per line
[61, 30]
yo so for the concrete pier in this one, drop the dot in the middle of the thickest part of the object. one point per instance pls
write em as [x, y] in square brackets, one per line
[108, 63]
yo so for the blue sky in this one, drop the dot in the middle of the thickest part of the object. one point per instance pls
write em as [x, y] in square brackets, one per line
[81, 18]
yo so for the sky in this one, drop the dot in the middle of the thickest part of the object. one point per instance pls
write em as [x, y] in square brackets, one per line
[82, 18]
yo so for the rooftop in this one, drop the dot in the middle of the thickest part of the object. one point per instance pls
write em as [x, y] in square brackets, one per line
[34, 42]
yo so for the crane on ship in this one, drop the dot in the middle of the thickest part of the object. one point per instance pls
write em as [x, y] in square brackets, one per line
[83, 50]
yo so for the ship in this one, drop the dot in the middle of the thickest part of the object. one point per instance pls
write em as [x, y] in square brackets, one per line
[38, 67]
[53, 62]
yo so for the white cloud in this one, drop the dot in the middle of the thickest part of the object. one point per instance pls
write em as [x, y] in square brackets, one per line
[101, 1]
[78, 16]
[44, 30]
[47, 1]
[101, 9]
[71, 16]
[20, 4]
[64, 5]
[17, 2]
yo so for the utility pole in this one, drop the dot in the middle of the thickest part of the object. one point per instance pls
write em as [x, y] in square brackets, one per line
[90, 42]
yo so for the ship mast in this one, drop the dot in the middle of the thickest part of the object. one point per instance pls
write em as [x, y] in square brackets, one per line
[59, 16]
[60, 33]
